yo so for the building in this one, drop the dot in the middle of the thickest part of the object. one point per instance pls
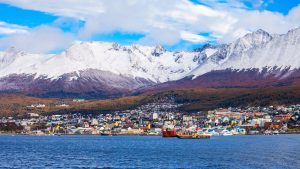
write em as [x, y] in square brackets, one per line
[78, 100]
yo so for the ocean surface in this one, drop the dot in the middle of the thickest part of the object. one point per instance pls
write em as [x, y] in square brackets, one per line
[279, 151]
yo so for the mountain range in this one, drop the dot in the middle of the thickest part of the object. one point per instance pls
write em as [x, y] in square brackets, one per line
[105, 70]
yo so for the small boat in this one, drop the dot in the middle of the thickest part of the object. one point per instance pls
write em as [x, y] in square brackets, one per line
[227, 133]
[106, 134]
[192, 136]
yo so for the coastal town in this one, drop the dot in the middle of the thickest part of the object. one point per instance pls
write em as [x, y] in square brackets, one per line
[152, 119]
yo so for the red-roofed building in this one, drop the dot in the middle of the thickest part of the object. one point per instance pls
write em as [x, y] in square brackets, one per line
[282, 118]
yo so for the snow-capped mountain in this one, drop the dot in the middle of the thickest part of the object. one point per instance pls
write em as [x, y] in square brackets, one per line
[224, 54]
[151, 63]
[109, 69]
[256, 50]
[96, 67]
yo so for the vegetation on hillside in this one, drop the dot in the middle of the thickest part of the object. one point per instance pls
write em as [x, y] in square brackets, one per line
[195, 99]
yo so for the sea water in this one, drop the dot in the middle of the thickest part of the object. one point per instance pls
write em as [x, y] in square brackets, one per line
[277, 151]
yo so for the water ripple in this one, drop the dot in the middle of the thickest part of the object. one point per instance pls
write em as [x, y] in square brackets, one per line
[81, 152]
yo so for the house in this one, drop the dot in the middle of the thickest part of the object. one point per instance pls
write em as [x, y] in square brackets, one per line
[273, 125]
[134, 131]
[282, 118]
[33, 115]
[62, 105]
[187, 118]
[154, 116]
[37, 106]
[78, 100]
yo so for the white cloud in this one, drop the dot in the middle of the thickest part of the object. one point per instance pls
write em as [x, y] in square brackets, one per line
[160, 36]
[164, 21]
[69, 8]
[244, 4]
[188, 36]
[43, 39]
[6, 28]
[294, 16]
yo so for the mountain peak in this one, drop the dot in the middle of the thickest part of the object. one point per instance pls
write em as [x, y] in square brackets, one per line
[158, 50]
[261, 31]
[205, 46]
[14, 50]
[296, 30]
[251, 40]
[261, 34]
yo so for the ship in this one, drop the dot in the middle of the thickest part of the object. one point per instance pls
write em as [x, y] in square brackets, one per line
[169, 130]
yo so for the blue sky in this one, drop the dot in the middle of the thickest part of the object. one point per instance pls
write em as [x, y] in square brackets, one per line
[49, 26]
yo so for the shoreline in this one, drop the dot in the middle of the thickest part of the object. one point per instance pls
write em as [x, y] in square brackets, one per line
[131, 135]
[19, 134]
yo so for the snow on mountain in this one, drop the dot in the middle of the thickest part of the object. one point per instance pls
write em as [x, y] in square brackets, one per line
[281, 52]
[255, 50]
[152, 63]
[145, 65]
[14, 61]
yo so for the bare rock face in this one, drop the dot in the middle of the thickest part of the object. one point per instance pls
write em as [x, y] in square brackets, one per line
[89, 84]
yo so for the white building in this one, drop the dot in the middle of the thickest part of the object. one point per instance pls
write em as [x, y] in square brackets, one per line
[155, 116]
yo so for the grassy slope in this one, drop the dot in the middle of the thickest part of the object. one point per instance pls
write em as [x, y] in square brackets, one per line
[195, 99]
[210, 98]
[16, 104]
[12, 104]
[104, 105]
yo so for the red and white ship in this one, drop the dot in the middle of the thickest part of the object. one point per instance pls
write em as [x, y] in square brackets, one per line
[169, 130]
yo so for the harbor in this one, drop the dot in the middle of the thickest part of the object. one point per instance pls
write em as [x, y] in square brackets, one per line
[156, 121]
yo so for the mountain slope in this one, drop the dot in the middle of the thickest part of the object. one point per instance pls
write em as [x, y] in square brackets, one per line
[152, 63]
[100, 69]
[90, 83]
[258, 50]
[255, 60]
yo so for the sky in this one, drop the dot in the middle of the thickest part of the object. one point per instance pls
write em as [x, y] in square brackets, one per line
[50, 26]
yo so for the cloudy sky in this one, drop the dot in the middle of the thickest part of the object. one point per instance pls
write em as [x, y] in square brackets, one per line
[49, 26]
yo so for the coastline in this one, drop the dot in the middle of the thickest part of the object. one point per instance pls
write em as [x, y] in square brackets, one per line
[135, 135]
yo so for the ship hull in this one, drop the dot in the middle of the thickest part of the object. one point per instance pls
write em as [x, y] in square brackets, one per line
[171, 133]
[193, 137]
